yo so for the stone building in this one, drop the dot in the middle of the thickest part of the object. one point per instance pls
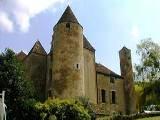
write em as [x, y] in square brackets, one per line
[69, 70]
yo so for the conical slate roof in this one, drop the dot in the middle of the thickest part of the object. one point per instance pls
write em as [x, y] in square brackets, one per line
[68, 16]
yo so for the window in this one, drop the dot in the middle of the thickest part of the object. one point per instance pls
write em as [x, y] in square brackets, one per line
[112, 79]
[113, 97]
[103, 94]
[77, 66]
[68, 25]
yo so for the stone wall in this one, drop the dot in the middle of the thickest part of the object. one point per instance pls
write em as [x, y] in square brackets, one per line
[103, 82]
[90, 75]
[68, 64]
[36, 71]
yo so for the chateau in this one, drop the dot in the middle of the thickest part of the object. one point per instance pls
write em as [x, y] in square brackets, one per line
[69, 70]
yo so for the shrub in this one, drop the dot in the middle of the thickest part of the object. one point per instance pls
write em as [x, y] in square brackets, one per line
[134, 116]
[62, 109]
[87, 105]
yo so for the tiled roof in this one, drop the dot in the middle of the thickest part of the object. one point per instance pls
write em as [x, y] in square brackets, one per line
[104, 70]
[68, 16]
[38, 48]
[87, 45]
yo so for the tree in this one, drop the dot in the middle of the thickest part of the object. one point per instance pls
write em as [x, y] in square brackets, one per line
[12, 80]
[149, 67]
[148, 72]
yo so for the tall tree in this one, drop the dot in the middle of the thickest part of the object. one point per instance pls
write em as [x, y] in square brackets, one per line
[12, 80]
[149, 67]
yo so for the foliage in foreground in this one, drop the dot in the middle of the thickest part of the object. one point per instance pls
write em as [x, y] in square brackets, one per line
[134, 116]
[57, 109]
[147, 94]
[147, 74]
[22, 103]
[12, 80]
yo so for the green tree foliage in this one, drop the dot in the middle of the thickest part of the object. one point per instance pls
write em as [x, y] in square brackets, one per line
[139, 91]
[147, 93]
[149, 67]
[88, 105]
[12, 80]
[148, 74]
[62, 110]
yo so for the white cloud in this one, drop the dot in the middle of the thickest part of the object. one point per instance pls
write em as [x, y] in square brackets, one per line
[21, 11]
[5, 23]
[135, 32]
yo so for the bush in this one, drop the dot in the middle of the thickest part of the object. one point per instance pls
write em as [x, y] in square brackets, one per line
[87, 105]
[134, 116]
[62, 110]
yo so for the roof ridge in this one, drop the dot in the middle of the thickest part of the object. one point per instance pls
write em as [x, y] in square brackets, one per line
[104, 70]
[87, 44]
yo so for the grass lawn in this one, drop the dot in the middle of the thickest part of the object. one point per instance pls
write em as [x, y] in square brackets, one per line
[150, 118]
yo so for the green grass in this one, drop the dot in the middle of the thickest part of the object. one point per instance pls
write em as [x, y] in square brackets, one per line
[150, 118]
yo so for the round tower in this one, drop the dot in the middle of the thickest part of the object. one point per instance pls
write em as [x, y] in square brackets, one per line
[127, 74]
[68, 67]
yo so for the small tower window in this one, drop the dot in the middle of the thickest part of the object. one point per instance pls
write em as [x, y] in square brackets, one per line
[103, 94]
[77, 66]
[68, 25]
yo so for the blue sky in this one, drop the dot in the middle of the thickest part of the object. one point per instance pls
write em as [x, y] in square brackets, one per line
[108, 24]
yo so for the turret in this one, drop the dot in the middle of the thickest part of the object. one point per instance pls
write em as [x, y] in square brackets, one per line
[68, 64]
[127, 74]
[35, 63]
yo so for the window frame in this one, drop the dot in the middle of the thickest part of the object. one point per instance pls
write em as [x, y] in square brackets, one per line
[113, 97]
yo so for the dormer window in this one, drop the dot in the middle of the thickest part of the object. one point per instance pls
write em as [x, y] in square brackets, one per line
[112, 80]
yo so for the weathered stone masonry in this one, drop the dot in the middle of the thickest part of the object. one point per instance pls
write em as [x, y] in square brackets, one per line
[69, 70]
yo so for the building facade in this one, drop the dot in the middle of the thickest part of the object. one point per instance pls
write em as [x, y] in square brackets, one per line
[69, 70]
